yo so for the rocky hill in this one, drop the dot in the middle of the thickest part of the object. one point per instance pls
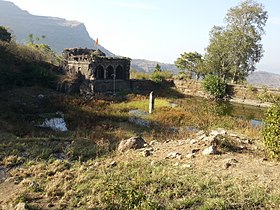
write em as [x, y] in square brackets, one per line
[262, 78]
[60, 33]
[147, 66]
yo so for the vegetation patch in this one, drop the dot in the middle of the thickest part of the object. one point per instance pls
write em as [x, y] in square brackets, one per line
[215, 86]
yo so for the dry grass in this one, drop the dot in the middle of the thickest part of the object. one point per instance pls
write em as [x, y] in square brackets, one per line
[145, 183]
[83, 180]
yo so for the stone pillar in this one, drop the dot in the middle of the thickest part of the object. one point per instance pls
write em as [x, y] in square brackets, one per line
[152, 102]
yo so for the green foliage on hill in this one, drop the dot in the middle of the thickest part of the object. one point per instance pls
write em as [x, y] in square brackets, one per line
[157, 76]
[22, 65]
[160, 76]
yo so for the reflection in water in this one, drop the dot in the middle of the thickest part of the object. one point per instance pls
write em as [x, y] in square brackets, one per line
[136, 117]
[256, 123]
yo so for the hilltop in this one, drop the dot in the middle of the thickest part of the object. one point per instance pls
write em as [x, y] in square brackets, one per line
[60, 33]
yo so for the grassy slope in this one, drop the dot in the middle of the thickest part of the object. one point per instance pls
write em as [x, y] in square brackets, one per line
[84, 179]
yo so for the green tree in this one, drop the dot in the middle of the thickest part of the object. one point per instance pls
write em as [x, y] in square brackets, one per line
[33, 40]
[158, 68]
[215, 86]
[217, 58]
[5, 35]
[235, 49]
[192, 62]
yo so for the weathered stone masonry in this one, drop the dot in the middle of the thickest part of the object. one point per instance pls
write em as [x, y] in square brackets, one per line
[95, 68]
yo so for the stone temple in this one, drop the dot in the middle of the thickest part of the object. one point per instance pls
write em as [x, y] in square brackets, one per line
[95, 65]
[95, 71]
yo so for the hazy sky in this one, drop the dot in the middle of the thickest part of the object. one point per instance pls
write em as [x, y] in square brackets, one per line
[158, 30]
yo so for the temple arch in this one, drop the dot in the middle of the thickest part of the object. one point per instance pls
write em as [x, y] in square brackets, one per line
[99, 72]
[120, 72]
[110, 72]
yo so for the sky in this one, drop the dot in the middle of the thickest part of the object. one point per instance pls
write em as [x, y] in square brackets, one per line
[157, 30]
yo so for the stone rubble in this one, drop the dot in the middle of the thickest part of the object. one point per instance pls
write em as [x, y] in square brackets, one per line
[211, 143]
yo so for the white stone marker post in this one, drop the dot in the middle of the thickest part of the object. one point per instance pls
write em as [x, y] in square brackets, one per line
[152, 102]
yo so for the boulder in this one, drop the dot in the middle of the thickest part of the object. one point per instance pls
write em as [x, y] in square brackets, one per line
[131, 143]
[212, 150]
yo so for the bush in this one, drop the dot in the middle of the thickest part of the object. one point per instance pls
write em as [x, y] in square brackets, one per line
[271, 131]
[215, 86]
[159, 76]
[138, 75]
[184, 75]
[5, 35]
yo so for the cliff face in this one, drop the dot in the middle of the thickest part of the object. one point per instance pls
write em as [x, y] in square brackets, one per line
[60, 33]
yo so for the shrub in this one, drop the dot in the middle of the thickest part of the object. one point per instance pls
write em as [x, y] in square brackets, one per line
[271, 131]
[5, 35]
[215, 86]
[159, 76]
[184, 75]
[138, 75]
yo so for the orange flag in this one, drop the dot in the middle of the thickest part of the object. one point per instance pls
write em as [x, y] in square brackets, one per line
[96, 42]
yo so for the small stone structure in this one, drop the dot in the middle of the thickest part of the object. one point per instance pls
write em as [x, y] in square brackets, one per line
[95, 69]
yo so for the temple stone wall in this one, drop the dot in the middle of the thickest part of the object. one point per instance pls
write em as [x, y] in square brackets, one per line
[95, 65]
